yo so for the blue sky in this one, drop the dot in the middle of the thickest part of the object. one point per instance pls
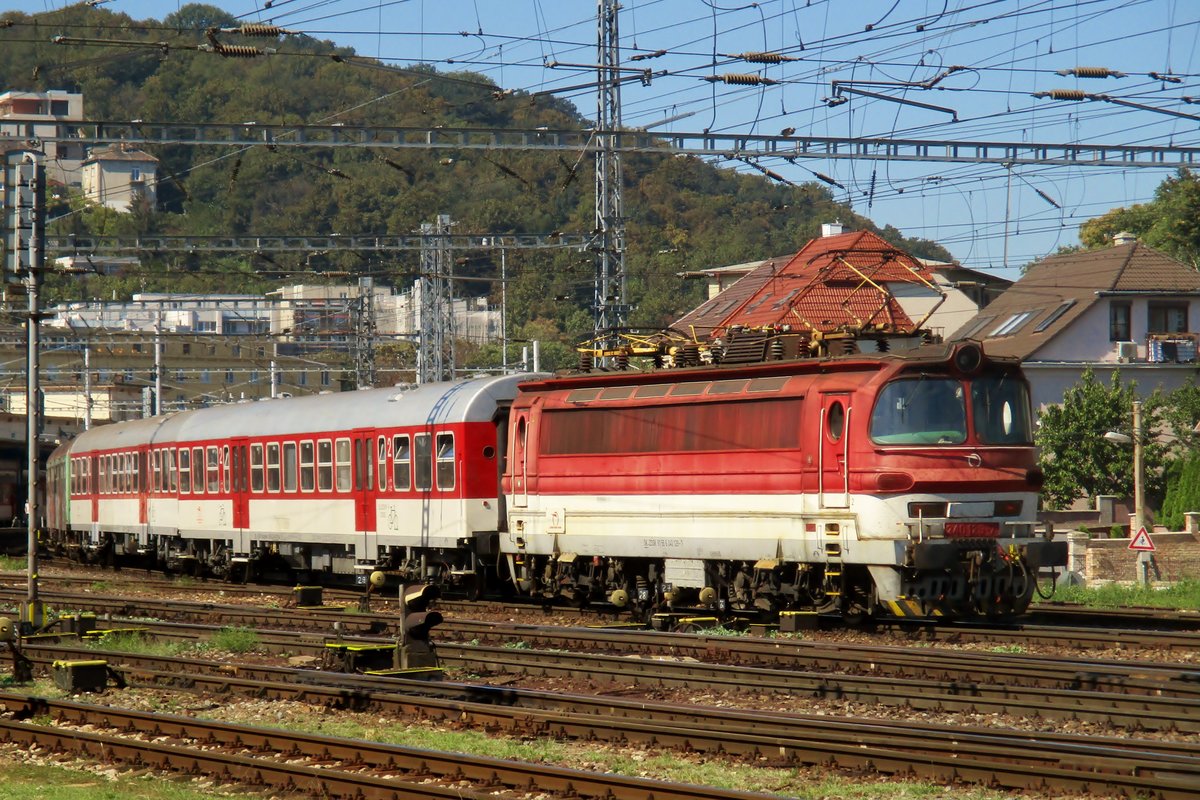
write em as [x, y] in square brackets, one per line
[1009, 49]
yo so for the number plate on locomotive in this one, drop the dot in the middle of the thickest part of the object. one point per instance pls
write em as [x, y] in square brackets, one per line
[972, 530]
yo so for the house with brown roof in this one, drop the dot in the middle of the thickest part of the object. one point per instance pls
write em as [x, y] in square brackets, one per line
[839, 282]
[1126, 308]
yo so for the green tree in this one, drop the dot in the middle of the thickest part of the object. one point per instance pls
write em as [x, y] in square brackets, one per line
[1076, 458]
[1170, 222]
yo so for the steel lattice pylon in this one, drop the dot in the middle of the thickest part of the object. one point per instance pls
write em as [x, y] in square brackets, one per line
[435, 354]
[609, 304]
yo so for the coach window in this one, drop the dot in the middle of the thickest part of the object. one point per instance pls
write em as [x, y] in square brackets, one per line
[324, 465]
[445, 461]
[156, 471]
[423, 453]
[289, 466]
[307, 477]
[185, 471]
[401, 464]
[171, 474]
[214, 473]
[225, 462]
[273, 466]
[344, 466]
[381, 448]
[198, 470]
[256, 468]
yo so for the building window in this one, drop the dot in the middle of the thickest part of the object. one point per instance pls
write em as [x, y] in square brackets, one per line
[1012, 324]
[187, 348]
[1054, 315]
[59, 108]
[324, 377]
[302, 379]
[135, 173]
[1168, 318]
[1118, 322]
[205, 377]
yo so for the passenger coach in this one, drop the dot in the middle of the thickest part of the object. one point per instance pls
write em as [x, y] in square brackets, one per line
[340, 484]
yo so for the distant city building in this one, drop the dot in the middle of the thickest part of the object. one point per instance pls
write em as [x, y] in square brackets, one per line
[42, 114]
[119, 176]
[171, 313]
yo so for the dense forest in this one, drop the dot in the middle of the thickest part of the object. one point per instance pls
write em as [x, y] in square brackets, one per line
[683, 213]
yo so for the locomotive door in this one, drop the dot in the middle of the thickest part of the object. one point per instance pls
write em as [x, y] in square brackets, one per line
[364, 487]
[519, 459]
[835, 450]
[239, 484]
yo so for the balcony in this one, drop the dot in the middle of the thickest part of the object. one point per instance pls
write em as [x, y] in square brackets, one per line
[1171, 348]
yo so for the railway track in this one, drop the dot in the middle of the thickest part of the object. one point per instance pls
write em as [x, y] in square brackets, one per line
[795, 654]
[318, 766]
[1006, 758]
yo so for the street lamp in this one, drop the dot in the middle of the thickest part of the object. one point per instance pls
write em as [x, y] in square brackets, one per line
[1139, 486]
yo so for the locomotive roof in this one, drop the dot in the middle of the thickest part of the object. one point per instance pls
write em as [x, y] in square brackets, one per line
[438, 403]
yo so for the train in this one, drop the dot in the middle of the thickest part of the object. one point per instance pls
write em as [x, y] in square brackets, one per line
[872, 483]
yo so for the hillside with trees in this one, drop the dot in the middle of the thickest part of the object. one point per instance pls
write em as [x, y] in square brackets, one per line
[683, 213]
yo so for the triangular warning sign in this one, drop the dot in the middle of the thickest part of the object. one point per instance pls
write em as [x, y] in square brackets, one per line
[1142, 541]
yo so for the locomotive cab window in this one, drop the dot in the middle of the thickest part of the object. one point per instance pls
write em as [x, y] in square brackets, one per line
[920, 410]
[835, 421]
[1000, 410]
[445, 461]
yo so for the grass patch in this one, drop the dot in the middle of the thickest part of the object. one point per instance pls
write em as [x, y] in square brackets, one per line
[1007, 648]
[13, 564]
[235, 640]
[1184, 595]
[37, 782]
[596, 757]
[139, 643]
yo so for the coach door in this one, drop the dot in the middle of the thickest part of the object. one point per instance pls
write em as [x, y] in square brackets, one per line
[239, 471]
[835, 449]
[364, 485]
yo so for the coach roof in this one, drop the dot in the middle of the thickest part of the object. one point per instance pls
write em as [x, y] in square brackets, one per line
[433, 404]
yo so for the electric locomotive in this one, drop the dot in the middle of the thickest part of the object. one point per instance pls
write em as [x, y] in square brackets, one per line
[902, 483]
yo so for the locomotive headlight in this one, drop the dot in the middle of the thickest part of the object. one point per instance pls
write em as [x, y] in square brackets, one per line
[1007, 508]
[927, 510]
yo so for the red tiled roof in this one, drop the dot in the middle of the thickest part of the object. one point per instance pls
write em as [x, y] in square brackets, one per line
[833, 282]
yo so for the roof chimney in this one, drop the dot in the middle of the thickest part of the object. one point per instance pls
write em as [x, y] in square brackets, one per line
[1124, 237]
[832, 229]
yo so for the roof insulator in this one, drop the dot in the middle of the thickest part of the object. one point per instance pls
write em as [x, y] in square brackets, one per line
[257, 29]
[765, 58]
[1092, 72]
[740, 79]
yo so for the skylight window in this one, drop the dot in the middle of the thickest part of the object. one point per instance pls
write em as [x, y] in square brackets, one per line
[974, 327]
[1054, 315]
[1012, 324]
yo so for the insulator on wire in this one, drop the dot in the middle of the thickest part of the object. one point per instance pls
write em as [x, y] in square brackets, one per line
[740, 79]
[1092, 72]
[1162, 76]
[1064, 94]
[644, 56]
[238, 51]
[256, 29]
[764, 58]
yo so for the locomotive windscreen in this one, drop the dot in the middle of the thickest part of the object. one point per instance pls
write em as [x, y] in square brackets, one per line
[933, 410]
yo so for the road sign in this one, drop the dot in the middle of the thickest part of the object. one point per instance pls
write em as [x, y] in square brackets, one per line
[1141, 541]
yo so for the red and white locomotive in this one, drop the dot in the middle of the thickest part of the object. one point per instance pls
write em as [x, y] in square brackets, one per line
[905, 484]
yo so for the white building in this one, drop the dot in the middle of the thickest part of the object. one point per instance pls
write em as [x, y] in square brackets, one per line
[118, 176]
[173, 313]
[42, 114]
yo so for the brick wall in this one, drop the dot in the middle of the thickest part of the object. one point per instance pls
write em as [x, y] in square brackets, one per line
[1176, 556]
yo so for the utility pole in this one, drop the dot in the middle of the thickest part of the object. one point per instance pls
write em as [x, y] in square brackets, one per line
[609, 301]
[87, 387]
[1139, 492]
[24, 193]
[158, 367]
[503, 310]
[364, 334]
[435, 350]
